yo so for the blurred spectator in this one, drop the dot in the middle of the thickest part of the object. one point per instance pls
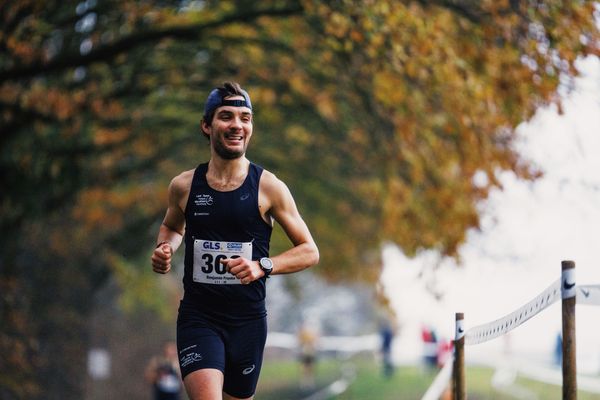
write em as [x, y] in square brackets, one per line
[558, 350]
[430, 347]
[163, 374]
[444, 352]
[308, 338]
[387, 332]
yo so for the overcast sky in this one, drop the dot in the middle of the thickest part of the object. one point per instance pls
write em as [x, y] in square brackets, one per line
[528, 229]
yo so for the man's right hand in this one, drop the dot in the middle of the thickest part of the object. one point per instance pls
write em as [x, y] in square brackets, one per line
[161, 258]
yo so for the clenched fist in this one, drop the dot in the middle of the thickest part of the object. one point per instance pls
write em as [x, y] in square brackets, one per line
[161, 258]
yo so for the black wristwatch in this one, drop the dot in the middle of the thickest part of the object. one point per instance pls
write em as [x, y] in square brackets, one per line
[266, 264]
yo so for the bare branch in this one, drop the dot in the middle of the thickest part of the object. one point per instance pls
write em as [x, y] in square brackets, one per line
[140, 38]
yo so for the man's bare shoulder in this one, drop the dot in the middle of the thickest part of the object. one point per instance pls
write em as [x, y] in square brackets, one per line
[270, 182]
[182, 182]
[275, 190]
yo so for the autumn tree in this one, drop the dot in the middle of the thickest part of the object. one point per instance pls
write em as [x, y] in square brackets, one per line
[379, 114]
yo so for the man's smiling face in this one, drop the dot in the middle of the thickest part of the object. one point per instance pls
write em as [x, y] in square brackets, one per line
[230, 130]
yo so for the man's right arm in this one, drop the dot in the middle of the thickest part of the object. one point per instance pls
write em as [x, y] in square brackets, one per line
[170, 233]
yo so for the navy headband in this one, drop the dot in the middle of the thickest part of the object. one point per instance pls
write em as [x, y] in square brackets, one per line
[216, 99]
[235, 103]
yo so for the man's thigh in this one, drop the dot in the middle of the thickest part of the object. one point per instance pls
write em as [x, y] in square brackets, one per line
[204, 384]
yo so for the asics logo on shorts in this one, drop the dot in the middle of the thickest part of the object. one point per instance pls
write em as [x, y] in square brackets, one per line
[248, 370]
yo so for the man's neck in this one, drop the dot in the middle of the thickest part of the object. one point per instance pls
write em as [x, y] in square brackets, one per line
[228, 171]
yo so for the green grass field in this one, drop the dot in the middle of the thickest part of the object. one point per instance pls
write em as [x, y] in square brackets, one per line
[281, 380]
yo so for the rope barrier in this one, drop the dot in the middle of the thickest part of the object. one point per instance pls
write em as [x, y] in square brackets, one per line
[570, 294]
[483, 333]
[588, 294]
[585, 294]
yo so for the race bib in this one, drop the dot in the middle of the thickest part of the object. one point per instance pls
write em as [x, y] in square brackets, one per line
[207, 260]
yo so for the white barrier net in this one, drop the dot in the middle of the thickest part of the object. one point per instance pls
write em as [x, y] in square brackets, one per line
[588, 294]
[585, 294]
[499, 327]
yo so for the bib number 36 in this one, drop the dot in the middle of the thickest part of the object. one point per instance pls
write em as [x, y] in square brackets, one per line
[212, 263]
[208, 256]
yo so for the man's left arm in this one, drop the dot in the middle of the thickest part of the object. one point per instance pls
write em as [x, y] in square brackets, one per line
[280, 205]
[283, 209]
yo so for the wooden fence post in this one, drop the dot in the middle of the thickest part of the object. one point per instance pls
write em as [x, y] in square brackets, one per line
[569, 365]
[458, 371]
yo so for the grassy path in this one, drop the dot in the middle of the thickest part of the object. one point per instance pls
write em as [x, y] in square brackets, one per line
[280, 380]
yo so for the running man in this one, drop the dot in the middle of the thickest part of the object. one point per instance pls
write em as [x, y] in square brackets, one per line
[224, 211]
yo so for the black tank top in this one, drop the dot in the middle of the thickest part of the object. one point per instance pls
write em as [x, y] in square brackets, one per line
[218, 225]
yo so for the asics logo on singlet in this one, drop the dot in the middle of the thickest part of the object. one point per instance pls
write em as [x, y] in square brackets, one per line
[248, 370]
[244, 196]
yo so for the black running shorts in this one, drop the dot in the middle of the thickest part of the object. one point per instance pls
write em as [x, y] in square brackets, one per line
[234, 349]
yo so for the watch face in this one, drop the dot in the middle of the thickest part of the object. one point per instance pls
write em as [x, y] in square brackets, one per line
[266, 263]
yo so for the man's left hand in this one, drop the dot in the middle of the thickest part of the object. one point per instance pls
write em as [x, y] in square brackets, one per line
[245, 270]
